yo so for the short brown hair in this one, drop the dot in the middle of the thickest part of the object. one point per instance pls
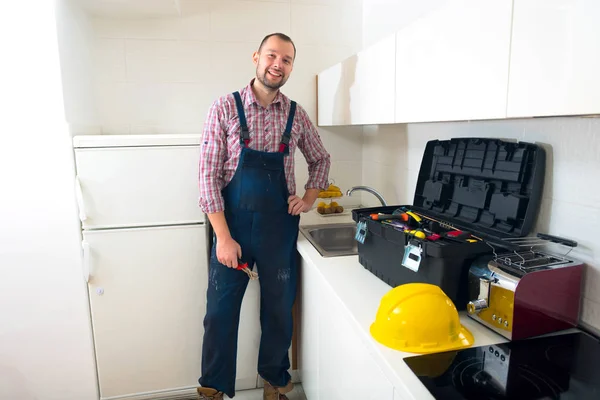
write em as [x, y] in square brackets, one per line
[281, 36]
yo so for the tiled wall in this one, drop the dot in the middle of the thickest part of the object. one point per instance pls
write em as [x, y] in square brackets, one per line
[571, 200]
[161, 74]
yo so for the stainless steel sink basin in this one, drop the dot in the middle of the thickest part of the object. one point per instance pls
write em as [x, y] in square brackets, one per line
[332, 240]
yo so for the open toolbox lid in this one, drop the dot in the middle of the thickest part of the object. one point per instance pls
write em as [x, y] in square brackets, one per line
[479, 184]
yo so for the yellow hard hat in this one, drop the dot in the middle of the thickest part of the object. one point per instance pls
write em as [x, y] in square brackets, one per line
[419, 318]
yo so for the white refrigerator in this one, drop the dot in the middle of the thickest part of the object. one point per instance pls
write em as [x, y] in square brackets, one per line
[145, 252]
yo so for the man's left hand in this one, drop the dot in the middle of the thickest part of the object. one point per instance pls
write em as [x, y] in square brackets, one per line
[296, 205]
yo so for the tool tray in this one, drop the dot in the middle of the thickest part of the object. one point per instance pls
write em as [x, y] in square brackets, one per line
[487, 187]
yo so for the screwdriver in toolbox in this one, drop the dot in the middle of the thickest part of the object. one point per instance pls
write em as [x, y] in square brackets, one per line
[409, 218]
[455, 233]
[406, 228]
[383, 217]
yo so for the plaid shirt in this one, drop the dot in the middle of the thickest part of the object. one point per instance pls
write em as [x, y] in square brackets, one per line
[220, 147]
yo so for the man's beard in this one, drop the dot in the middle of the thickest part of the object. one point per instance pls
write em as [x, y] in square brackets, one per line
[265, 81]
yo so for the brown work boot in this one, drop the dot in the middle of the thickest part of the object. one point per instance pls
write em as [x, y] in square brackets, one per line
[209, 394]
[276, 393]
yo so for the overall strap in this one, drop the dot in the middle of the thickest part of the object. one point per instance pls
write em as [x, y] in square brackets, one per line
[244, 132]
[287, 134]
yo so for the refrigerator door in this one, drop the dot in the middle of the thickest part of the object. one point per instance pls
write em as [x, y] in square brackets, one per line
[135, 186]
[147, 289]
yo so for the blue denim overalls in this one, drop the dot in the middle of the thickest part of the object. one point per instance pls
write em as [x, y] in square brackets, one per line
[256, 210]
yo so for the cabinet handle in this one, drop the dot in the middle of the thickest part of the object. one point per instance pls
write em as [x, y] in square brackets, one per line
[87, 262]
[79, 197]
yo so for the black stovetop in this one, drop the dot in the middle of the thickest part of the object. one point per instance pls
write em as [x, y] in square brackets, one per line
[565, 366]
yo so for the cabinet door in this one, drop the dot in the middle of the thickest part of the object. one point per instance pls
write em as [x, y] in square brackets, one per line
[370, 79]
[309, 331]
[360, 89]
[248, 339]
[332, 97]
[148, 299]
[452, 64]
[555, 58]
[346, 368]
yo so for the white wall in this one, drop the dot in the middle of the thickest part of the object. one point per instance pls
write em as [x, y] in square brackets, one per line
[161, 74]
[45, 336]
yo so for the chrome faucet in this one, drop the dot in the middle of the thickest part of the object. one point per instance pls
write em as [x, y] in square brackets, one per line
[370, 190]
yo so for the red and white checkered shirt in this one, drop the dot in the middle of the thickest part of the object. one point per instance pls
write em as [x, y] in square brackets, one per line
[221, 148]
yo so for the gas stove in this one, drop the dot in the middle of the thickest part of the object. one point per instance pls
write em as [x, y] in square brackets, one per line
[563, 366]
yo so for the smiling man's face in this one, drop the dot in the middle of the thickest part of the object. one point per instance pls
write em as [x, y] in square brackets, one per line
[274, 62]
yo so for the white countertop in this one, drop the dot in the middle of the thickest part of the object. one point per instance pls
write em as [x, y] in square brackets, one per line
[347, 278]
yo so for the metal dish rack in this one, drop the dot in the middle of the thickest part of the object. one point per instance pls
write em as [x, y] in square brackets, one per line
[527, 255]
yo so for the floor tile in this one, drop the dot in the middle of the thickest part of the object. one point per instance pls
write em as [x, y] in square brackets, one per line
[256, 394]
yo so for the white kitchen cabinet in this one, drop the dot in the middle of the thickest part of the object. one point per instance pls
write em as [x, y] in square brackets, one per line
[370, 79]
[346, 368]
[452, 64]
[310, 305]
[555, 58]
[360, 89]
[335, 362]
[332, 97]
[248, 339]
[147, 300]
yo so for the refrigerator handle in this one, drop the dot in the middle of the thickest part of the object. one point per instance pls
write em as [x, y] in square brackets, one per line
[87, 263]
[79, 197]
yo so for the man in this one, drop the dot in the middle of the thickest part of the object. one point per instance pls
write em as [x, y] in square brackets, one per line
[248, 191]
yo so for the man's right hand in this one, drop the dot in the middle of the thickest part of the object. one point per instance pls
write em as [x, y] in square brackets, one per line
[228, 252]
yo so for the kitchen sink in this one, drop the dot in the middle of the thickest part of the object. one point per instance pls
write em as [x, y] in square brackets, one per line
[332, 240]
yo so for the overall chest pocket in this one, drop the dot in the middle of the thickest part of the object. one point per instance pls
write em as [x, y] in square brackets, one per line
[263, 184]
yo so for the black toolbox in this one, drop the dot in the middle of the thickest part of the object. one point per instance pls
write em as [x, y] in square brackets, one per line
[487, 187]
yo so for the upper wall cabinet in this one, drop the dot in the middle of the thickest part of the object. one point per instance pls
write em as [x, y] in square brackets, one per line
[472, 60]
[452, 64]
[360, 89]
[555, 58]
